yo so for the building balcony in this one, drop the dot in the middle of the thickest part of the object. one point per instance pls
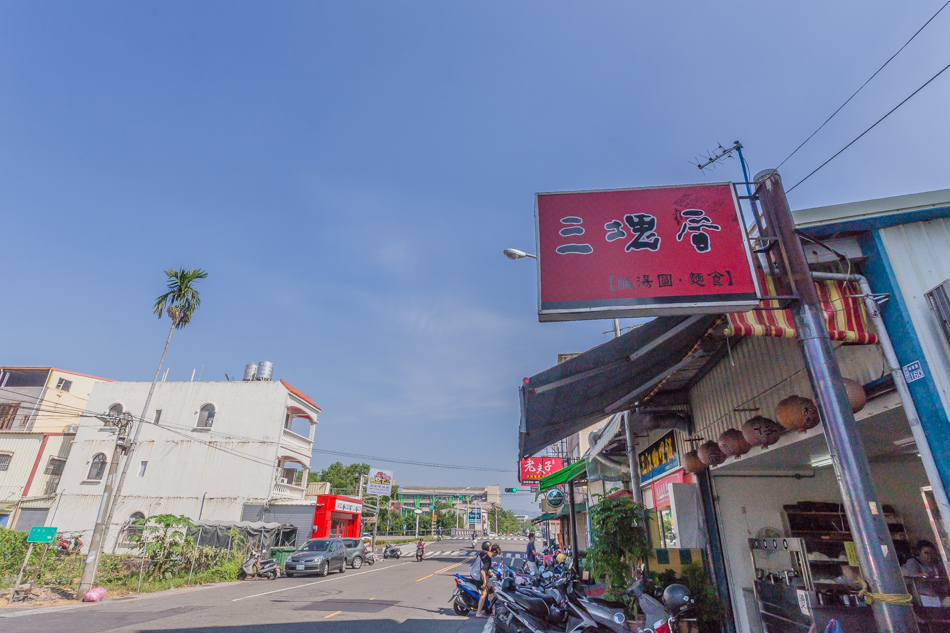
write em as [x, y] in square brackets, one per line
[289, 492]
[296, 445]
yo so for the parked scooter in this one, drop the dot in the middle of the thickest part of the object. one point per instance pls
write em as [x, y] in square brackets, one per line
[391, 551]
[420, 551]
[69, 543]
[465, 597]
[257, 567]
[369, 555]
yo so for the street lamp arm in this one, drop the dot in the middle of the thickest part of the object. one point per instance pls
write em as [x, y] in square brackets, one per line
[514, 253]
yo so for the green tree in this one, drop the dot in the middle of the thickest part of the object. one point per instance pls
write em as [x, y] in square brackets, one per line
[343, 479]
[503, 521]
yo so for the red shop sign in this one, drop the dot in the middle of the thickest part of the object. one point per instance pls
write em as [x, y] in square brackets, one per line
[642, 252]
[661, 488]
[534, 468]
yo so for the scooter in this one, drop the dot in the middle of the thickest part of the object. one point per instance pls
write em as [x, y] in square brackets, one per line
[391, 551]
[420, 551]
[69, 543]
[465, 597]
[257, 567]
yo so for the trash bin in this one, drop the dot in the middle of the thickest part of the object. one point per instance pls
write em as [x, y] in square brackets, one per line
[281, 554]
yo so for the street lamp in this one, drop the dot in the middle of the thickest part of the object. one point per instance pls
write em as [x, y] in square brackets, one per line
[514, 253]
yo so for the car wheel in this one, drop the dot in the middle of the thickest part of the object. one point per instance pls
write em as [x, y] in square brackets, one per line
[343, 566]
[357, 562]
[325, 568]
[289, 574]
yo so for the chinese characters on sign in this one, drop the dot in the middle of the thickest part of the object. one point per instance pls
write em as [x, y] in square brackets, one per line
[666, 250]
[658, 458]
[380, 482]
[534, 468]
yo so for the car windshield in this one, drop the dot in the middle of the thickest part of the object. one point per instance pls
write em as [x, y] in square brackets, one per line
[315, 546]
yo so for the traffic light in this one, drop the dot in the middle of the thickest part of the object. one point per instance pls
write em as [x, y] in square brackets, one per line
[511, 490]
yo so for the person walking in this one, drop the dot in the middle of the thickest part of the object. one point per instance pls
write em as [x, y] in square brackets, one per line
[531, 556]
[480, 573]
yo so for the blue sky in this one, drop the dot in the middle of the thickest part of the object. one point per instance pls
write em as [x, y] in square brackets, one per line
[349, 173]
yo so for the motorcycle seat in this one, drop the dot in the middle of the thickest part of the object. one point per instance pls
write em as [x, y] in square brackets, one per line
[610, 604]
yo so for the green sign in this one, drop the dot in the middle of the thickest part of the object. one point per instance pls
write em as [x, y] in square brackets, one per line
[432, 507]
[41, 535]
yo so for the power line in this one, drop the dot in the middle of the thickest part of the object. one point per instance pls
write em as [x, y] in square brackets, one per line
[411, 462]
[865, 83]
[869, 129]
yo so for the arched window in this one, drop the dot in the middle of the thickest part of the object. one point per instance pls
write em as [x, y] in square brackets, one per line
[133, 530]
[206, 416]
[97, 468]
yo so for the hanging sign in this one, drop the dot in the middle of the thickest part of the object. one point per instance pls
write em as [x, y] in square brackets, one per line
[474, 515]
[380, 482]
[642, 252]
[534, 468]
[555, 498]
[348, 506]
[658, 458]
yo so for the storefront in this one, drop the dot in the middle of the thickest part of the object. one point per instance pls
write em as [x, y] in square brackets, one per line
[337, 516]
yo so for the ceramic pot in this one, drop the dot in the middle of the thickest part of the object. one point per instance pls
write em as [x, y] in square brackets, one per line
[692, 463]
[797, 414]
[856, 395]
[710, 454]
[761, 431]
[733, 444]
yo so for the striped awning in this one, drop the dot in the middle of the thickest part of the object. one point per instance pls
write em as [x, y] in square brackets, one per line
[843, 306]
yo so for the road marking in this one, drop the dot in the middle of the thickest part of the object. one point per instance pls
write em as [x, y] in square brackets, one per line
[317, 582]
[332, 614]
[372, 598]
[444, 569]
[424, 577]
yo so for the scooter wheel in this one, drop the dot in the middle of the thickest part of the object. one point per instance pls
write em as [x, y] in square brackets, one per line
[242, 575]
[460, 609]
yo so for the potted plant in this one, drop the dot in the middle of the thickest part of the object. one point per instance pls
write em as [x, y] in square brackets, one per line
[619, 543]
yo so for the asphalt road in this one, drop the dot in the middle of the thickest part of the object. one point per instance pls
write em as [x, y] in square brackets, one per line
[392, 595]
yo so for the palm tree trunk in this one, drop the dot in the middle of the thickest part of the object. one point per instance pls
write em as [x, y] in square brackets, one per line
[135, 437]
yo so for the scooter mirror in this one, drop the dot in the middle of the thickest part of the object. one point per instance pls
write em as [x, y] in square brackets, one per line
[635, 590]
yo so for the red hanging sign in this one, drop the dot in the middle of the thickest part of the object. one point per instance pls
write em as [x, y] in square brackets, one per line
[642, 252]
[534, 468]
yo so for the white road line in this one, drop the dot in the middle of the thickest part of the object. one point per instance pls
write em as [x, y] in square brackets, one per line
[317, 582]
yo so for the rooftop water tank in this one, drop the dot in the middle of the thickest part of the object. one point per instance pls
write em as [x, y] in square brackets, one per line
[265, 370]
[250, 370]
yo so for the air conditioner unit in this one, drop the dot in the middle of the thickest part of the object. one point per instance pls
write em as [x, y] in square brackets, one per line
[939, 300]
[282, 480]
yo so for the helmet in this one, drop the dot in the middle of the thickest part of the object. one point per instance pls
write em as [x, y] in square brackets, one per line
[561, 557]
[548, 560]
[676, 599]
[486, 545]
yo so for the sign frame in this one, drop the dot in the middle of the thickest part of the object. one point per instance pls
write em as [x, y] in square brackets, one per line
[548, 465]
[647, 306]
[661, 469]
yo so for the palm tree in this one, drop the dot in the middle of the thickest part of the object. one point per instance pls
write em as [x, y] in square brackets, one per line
[180, 303]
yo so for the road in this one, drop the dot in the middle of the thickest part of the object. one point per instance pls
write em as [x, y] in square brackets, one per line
[392, 595]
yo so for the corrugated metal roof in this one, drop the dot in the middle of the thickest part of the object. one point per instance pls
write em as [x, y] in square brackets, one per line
[865, 209]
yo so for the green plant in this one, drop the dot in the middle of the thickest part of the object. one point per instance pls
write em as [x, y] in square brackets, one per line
[164, 541]
[619, 541]
[709, 608]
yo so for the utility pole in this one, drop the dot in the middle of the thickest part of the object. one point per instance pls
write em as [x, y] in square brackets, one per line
[122, 422]
[872, 539]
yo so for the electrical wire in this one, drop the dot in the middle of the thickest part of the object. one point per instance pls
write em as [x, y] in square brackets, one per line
[865, 83]
[411, 462]
[908, 98]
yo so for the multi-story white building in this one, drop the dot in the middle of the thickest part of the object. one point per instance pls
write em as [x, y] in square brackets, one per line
[40, 409]
[206, 450]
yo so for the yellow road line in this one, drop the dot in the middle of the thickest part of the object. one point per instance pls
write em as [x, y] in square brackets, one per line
[445, 569]
[332, 614]
[424, 577]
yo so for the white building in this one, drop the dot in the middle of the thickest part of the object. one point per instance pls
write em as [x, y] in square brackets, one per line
[40, 409]
[206, 450]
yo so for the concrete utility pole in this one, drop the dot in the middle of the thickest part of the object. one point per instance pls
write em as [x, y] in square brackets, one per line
[123, 422]
[875, 548]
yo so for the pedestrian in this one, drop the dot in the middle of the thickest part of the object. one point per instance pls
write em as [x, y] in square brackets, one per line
[531, 556]
[479, 574]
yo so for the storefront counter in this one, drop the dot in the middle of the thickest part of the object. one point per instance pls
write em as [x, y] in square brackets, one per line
[786, 609]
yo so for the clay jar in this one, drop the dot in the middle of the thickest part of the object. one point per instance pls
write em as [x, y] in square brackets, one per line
[856, 395]
[761, 431]
[692, 463]
[710, 454]
[797, 414]
[733, 444]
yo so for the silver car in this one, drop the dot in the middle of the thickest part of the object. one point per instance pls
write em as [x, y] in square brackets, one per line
[357, 552]
[317, 556]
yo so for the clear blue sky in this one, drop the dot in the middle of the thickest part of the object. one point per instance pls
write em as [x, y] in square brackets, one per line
[349, 173]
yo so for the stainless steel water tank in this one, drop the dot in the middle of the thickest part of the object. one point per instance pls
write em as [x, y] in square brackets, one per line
[250, 370]
[265, 370]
